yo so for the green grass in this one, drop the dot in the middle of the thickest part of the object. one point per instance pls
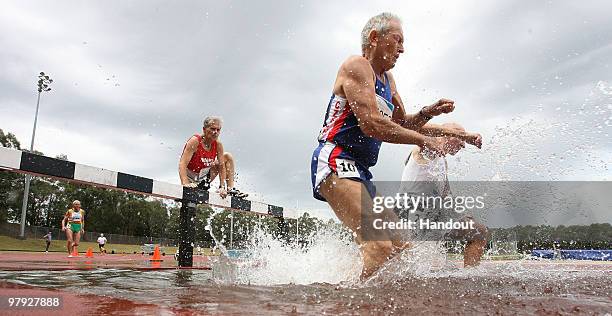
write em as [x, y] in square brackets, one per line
[13, 244]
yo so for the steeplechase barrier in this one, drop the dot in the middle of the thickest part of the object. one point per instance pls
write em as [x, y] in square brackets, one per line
[38, 165]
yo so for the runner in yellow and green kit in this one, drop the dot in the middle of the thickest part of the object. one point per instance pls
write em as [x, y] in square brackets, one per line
[74, 224]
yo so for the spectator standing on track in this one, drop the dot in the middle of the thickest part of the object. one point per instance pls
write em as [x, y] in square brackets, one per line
[47, 239]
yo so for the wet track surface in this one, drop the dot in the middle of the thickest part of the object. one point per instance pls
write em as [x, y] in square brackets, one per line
[502, 287]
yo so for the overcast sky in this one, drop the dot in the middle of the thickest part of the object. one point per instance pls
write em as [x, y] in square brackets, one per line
[134, 79]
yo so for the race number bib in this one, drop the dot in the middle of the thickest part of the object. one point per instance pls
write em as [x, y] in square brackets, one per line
[346, 169]
[384, 107]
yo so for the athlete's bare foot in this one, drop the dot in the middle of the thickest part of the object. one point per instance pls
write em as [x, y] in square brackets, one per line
[375, 254]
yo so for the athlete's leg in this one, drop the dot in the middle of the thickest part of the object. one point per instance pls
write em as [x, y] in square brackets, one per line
[229, 169]
[69, 240]
[77, 238]
[473, 252]
[344, 197]
[476, 241]
[213, 173]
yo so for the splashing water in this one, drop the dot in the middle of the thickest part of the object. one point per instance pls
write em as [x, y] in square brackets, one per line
[425, 258]
[532, 147]
[566, 143]
[329, 258]
[218, 243]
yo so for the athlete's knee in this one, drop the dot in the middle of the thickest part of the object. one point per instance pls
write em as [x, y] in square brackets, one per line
[228, 156]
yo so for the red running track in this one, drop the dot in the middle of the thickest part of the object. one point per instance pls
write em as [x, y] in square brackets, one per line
[21, 261]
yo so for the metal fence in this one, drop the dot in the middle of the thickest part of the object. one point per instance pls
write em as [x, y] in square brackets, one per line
[36, 232]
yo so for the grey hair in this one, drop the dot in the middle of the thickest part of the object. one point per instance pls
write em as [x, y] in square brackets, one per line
[210, 119]
[76, 202]
[379, 23]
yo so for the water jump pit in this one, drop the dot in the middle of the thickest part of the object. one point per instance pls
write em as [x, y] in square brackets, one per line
[128, 284]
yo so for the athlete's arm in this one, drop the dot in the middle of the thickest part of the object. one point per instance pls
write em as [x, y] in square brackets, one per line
[190, 149]
[357, 82]
[64, 221]
[221, 160]
[438, 130]
[222, 175]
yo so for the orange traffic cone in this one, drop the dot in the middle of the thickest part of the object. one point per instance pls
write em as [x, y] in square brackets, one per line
[75, 253]
[89, 253]
[156, 255]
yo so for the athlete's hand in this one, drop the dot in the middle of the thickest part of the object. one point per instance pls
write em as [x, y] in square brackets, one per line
[474, 139]
[222, 192]
[440, 107]
[63, 228]
[190, 185]
[433, 147]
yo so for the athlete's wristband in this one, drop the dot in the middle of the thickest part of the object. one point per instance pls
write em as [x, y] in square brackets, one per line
[423, 115]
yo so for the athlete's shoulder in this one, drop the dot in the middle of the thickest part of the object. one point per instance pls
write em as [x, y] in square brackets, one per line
[193, 141]
[356, 62]
[356, 67]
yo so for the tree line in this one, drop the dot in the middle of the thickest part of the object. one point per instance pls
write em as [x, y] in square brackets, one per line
[593, 236]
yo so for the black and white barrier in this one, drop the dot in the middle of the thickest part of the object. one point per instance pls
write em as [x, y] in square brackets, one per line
[38, 165]
[28, 163]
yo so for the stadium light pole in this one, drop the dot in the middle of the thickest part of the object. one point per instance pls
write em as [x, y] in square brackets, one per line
[43, 86]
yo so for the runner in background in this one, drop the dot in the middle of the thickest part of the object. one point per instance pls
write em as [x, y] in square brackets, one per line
[102, 243]
[73, 224]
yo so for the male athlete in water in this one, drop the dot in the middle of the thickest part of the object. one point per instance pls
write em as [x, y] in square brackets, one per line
[424, 175]
[203, 158]
[364, 111]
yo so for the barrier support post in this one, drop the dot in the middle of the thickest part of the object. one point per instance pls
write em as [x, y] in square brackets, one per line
[186, 233]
